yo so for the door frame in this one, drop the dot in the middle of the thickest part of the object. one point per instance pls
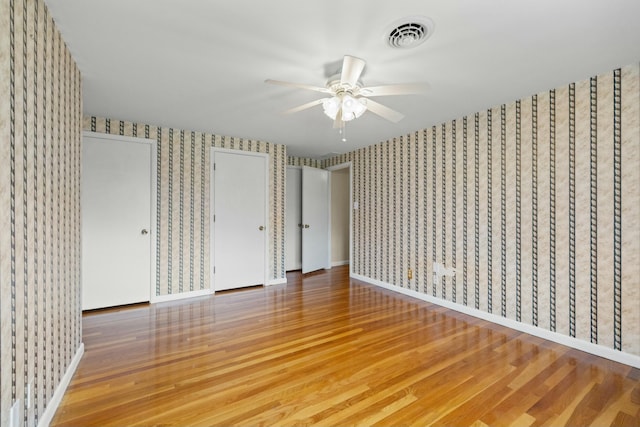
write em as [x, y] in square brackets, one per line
[212, 201]
[331, 169]
[153, 243]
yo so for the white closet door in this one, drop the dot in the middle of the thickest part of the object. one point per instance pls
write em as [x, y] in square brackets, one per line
[239, 220]
[116, 216]
[293, 240]
[316, 243]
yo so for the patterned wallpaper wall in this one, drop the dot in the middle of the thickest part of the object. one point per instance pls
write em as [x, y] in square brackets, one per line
[536, 203]
[304, 161]
[183, 200]
[40, 124]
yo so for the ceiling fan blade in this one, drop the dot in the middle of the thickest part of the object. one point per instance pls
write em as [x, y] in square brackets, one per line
[304, 106]
[338, 123]
[399, 89]
[351, 70]
[298, 85]
[384, 111]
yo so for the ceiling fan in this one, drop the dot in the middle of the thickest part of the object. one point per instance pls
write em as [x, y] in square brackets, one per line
[348, 99]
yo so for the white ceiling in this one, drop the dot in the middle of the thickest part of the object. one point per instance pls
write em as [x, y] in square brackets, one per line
[201, 65]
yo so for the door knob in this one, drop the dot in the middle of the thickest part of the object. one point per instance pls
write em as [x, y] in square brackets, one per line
[261, 228]
[144, 231]
[306, 226]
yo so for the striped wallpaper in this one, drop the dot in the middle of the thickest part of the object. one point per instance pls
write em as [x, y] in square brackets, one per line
[304, 161]
[40, 123]
[182, 193]
[536, 203]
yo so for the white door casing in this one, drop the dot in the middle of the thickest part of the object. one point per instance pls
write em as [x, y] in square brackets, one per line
[316, 231]
[238, 219]
[117, 214]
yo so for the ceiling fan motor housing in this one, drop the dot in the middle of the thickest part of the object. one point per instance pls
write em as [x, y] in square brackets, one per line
[334, 85]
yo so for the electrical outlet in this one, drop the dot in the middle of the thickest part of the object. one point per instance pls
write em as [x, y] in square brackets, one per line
[29, 396]
[14, 416]
[410, 274]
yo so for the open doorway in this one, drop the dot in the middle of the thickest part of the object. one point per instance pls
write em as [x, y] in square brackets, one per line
[308, 219]
[339, 247]
[340, 214]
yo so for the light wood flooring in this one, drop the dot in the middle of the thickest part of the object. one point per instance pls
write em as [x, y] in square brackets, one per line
[325, 350]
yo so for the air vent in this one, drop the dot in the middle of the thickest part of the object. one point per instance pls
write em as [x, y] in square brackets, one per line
[409, 32]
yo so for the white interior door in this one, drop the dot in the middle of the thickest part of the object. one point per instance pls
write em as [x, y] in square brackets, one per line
[316, 243]
[293, 223]
[116, 216]
[239, 222]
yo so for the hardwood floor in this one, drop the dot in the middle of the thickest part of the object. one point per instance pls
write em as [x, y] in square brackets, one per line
[324, 350]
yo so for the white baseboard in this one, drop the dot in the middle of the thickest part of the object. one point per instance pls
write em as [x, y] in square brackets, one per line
[598, 350]
[52, 407]
[339, 263]
[182, 295]
[277, 281]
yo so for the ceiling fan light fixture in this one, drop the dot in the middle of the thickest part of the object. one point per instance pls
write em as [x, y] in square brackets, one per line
[351, 107]
[331, 106]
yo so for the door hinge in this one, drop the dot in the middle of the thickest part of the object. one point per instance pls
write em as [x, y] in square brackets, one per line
[214, 270]
[214, 166]
[214, 217]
